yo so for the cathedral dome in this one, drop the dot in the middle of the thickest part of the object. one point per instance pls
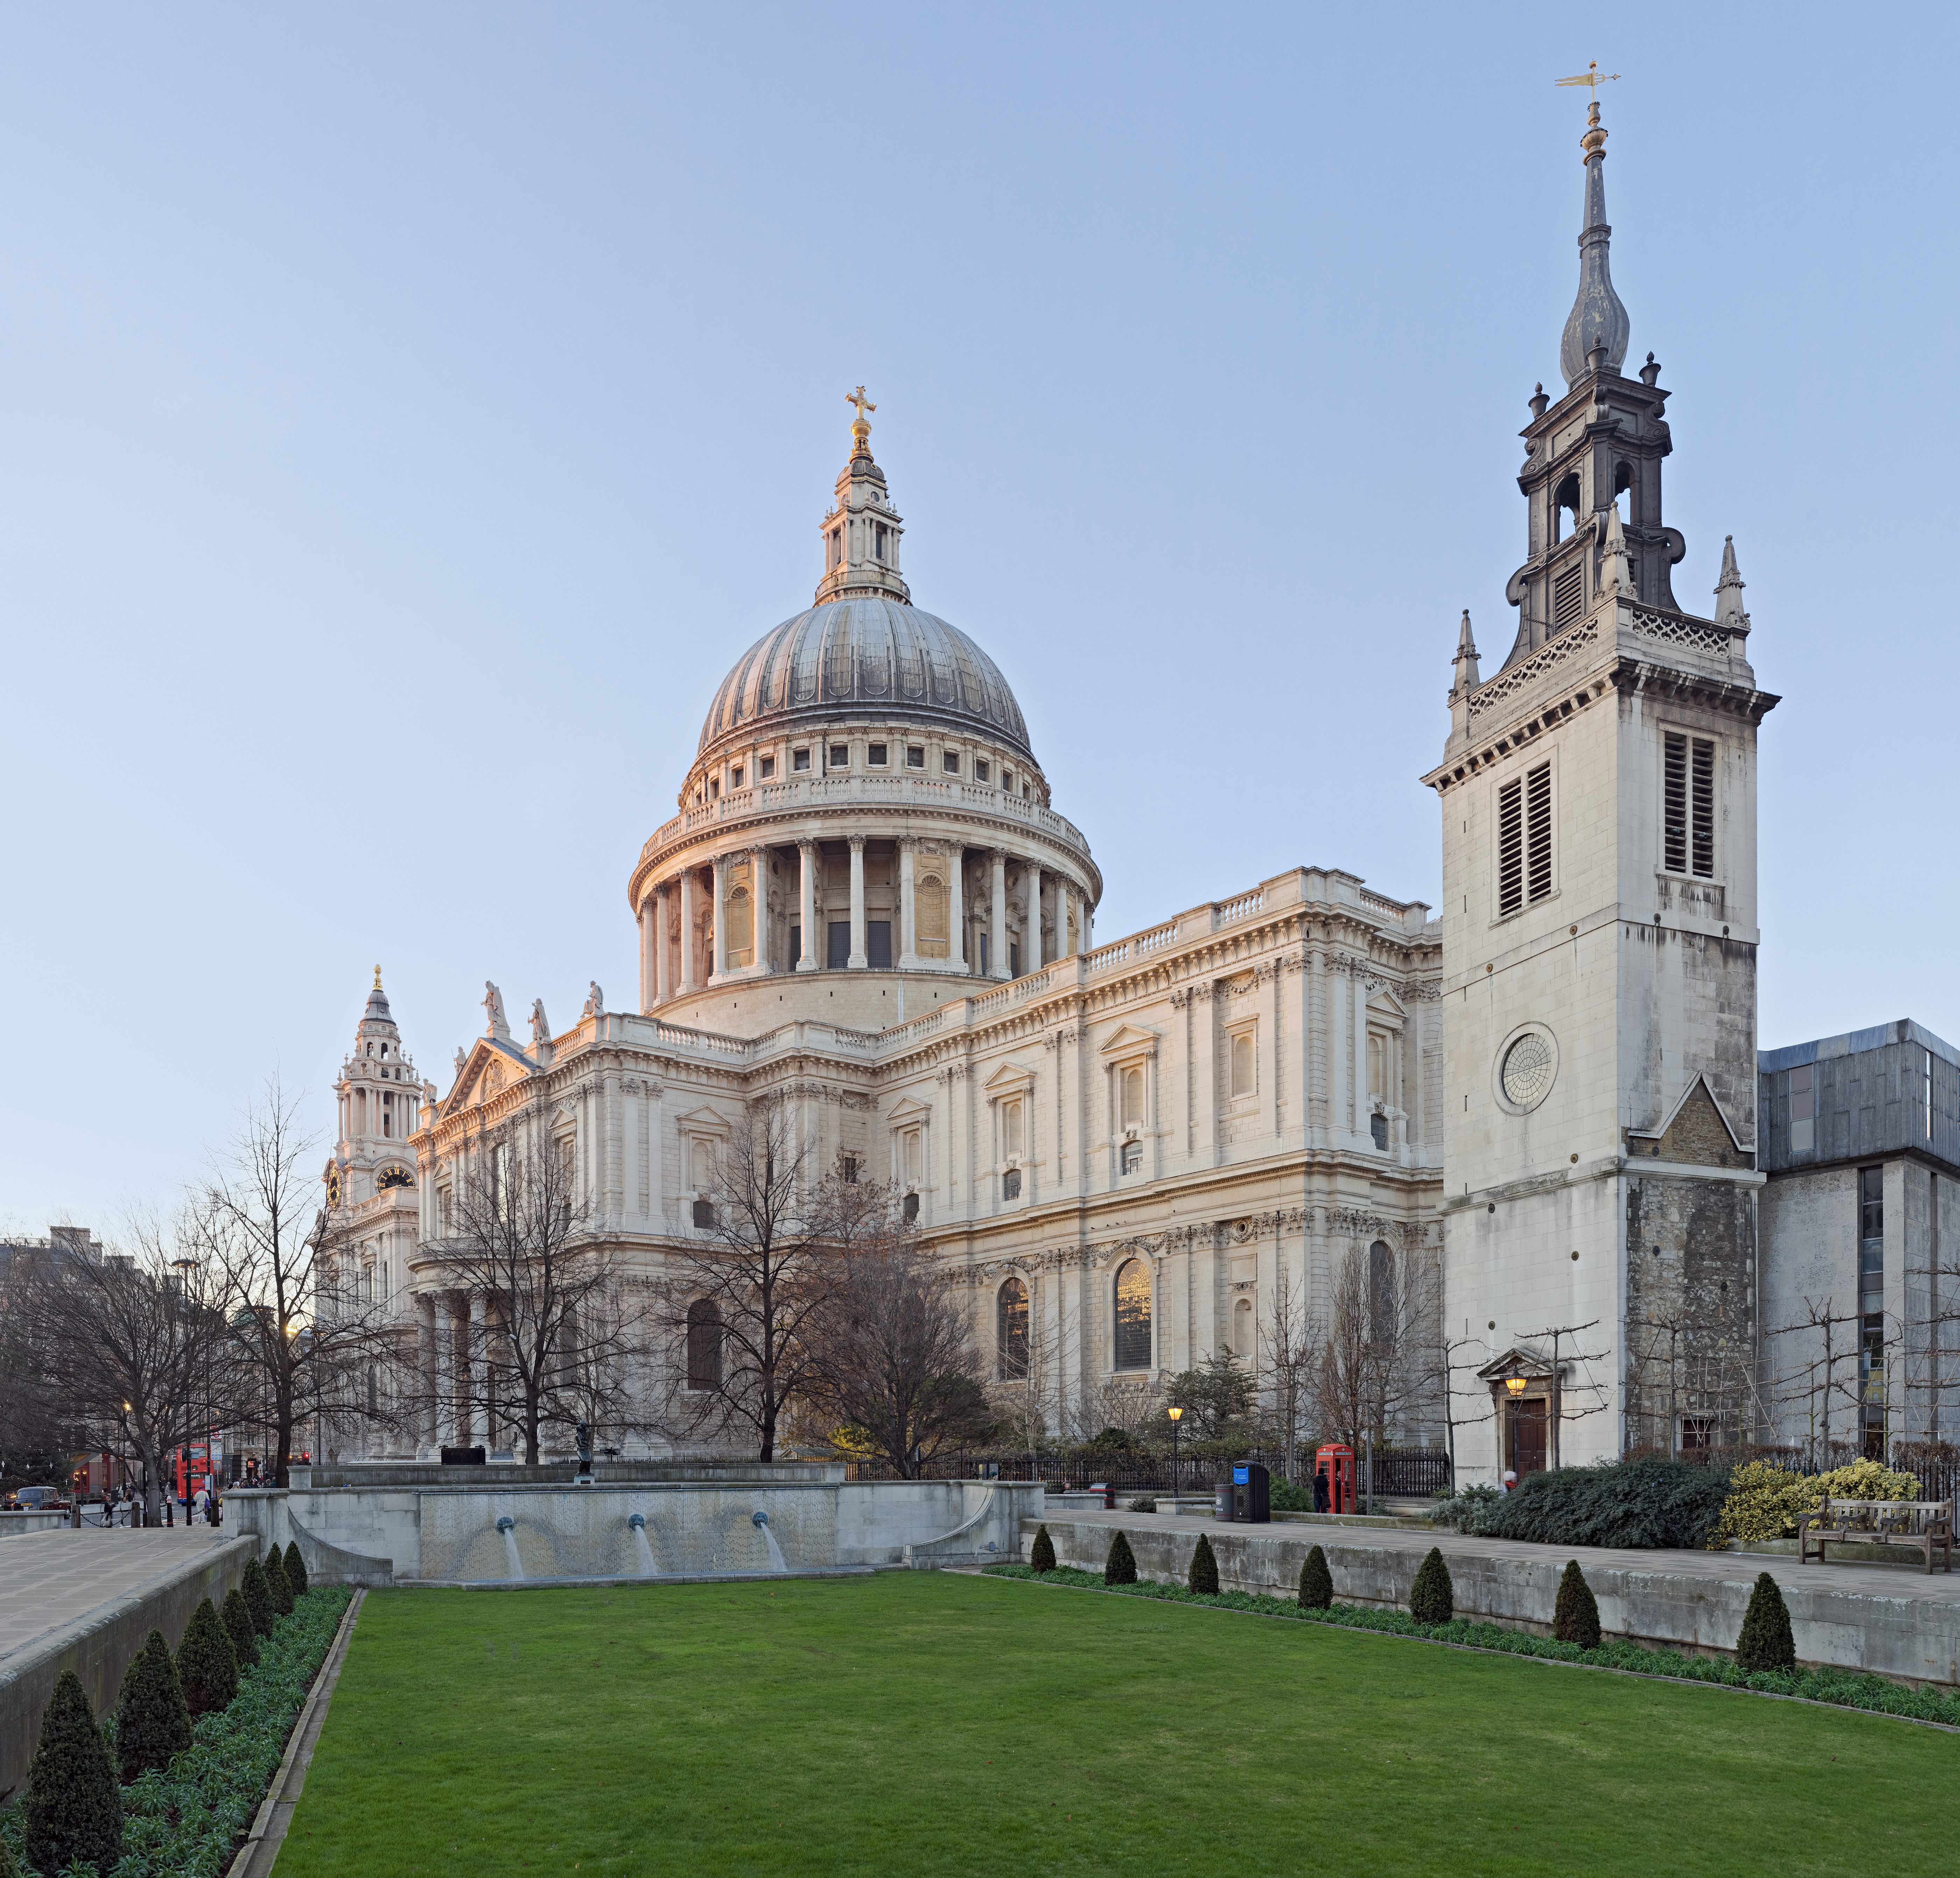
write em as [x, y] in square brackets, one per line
[870, 652]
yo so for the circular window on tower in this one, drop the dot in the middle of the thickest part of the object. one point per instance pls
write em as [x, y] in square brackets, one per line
[1527, 1065]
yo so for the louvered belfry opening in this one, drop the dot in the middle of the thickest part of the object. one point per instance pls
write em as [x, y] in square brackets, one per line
[1687, 805]
[1568, 596]
[1524, 839]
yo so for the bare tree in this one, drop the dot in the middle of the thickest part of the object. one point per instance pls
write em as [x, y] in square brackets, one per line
[891, 1351]
[1813, 1379]
[301, 1339]
[1365, 1376]
[124, 1344]
[554, 1329]
[1290, 1343]
[1442, 1363]
[735, 1300]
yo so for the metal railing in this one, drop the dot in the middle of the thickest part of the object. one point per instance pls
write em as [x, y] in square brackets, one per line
[1399, 1474]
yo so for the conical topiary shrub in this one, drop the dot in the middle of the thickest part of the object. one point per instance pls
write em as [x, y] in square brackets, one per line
[74, 1807]
[207, 1663]
[1575, 1618]
[258, 1597]
[1766, 1642]
[151, 1721]
[1041, 1556]
[1433, 1598]
[1204, 1579]
[1121, 1566]
[238, 1627]
[275, 1583]
[1316, 1582]
[295, 1569]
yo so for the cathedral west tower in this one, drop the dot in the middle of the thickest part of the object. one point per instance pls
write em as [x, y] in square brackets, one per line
[1598, 798]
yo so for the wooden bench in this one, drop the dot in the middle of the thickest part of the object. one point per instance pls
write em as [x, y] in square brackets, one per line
[1927, 1526]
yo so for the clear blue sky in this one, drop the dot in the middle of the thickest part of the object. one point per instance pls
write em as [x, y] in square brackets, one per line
[408, 414]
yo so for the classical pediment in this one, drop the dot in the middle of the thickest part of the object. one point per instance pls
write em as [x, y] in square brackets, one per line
[1008, 1078]
[1384, 1005]
[492, 1065]
[703, 1121]
[909, 1111]
[1130, 1040]
[1696, 1132]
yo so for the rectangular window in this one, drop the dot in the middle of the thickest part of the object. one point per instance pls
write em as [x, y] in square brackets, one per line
[846, 1165]
[766, 767]
[1008, 780]
[1687, 805]
[880, 548]
[980, 771]
[1011, 1184]
[799, 759]
[985, 950]
[735, 777]
[1568, 596]
[796, 943]
[878, 944]
[1803, 1107]
[949, 762]
[840, 756]
[704, 1212]
[715, 790]
[839, 953]
[1013, 958]
[1871, 1305]
[1133, 1158]
[1703, 769]
[915, 756]
[1524, 840]
[875, 756]
[1244, 1063]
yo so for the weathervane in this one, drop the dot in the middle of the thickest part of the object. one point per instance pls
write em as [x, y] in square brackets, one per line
[1592, 77]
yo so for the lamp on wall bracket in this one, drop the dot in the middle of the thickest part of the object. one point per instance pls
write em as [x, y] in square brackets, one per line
[1515, 1385]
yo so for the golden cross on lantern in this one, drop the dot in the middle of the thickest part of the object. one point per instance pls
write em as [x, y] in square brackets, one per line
[377, 978]
[1592, 77]
[863, 403]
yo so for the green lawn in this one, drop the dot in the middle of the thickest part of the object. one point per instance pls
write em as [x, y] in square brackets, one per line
[923, 1722]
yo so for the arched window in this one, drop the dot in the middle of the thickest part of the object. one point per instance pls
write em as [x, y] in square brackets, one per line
[1381, 1293]
[1130, 1083]
[1242, 1337]
[1133, 1316]
[1564, 502]
[1011, 1316]
[929, 911]
[741, 928]
[704, 1345]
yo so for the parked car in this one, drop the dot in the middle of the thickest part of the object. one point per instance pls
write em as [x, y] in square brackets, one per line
[37, 1500]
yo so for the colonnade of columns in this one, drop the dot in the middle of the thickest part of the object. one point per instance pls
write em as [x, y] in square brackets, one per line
[456, 1349]
[658, 976]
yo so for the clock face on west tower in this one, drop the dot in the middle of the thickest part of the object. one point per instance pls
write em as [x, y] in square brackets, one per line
[333, 1186]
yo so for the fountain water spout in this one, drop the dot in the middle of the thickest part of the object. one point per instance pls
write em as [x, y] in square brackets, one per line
[507, 1527]
[637, 1522]
[761, 1519]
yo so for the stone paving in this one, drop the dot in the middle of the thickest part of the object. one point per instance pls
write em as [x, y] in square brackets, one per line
[1903, 1581]
[48, 1580]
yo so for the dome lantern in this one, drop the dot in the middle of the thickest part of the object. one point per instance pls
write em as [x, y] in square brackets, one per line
[861, 532]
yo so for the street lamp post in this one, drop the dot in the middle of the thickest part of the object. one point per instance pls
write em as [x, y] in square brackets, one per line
[1176, 1414]
[184, 1268]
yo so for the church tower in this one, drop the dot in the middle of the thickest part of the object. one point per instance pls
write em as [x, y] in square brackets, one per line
[1598, 799]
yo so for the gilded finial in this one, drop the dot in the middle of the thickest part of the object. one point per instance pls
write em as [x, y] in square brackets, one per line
[377, 978]
[860, 428]
[1592, 77]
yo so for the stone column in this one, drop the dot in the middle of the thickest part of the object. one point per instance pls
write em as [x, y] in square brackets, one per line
[907, 933]
[759, 886]
[955, 930]
[858, 959]
[479, 1358]
[687, 980]
[445, 1395]
[663, 991]
[806, 857]
[425, 1369]
[647, 953]
[1032, 881]
[997, 938]
[717, 960]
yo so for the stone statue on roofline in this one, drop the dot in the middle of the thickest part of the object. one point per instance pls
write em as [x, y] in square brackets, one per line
[493, 1005]
[595, 1002]
[540, 1025]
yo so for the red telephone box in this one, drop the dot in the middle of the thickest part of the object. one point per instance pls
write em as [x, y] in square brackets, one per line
[1334, 1464]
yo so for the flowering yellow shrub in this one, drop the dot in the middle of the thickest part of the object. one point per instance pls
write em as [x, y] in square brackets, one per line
[1766, 1501]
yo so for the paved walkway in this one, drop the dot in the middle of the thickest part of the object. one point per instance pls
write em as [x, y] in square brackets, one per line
[1868, 1581]
[50, 1579]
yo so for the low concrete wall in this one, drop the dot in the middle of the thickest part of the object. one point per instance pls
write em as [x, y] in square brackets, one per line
[376, 1534]
[98, 1647]
[12, 1525]
[1907, 1639]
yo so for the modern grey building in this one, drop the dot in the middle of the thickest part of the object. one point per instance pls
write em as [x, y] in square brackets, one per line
[1859, 1140]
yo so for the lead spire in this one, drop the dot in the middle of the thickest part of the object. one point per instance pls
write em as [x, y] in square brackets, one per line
[1597, 318]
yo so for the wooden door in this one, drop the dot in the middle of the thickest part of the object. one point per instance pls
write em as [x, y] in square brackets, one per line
[1528, 1436]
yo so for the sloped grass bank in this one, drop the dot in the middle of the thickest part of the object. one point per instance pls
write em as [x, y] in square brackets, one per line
[943, 1724]
[186, 1821]
[1843, 1688]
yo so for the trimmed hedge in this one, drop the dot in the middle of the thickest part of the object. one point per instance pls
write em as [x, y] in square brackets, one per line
[74, 1806]
[1432, 1597]
[1841, 1688]
[1650, 1502]
[1204, 1579]
[151, 1722]
[1121, 1567]
[1575, 1618]
[295, 1569]
[1316, 1582]
[1041, 1554]
[1766, 1642]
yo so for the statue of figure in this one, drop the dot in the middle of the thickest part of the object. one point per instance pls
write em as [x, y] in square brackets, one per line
[595, 1001]
[585, 1447]
[493, 1004]
[460, 1059]
[540, 1028]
